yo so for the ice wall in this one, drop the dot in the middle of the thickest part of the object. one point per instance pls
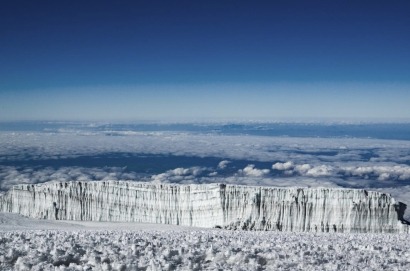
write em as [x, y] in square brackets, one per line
[211, 205]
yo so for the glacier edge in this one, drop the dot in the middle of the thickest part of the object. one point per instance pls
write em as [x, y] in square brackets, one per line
[210, 205]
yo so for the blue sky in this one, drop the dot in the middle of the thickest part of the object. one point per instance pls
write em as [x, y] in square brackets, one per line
[202, 60]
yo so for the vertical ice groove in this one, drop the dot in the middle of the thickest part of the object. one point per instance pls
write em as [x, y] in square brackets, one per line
[211, 205]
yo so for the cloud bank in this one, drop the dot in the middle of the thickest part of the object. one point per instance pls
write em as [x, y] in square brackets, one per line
[243, 159]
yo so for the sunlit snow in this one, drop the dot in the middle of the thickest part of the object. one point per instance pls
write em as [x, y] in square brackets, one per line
[196, 249]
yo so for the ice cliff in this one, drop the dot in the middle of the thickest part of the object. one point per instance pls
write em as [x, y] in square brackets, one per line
[211, 205]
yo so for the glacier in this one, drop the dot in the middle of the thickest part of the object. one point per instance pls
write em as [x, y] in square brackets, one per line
[211, 206]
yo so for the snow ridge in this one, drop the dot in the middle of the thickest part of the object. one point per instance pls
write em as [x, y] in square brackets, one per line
[211, 205]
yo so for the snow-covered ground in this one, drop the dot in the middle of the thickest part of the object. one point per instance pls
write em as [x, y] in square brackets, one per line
[63, 245]
[16, 222]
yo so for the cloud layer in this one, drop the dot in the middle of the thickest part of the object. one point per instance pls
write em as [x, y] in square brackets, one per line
[17, 146]
[240, 159]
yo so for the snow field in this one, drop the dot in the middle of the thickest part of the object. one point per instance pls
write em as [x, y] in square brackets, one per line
[201, 250]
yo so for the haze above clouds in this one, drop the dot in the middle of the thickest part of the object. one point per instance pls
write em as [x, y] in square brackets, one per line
[213, 102]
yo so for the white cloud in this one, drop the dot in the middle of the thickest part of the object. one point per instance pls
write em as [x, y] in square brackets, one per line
[384, 177]
[250, 170]
[303, 169]
[320, 171]
[179, 175]
[223, 164]
[283, 166]
[383, 173]
[10, 175]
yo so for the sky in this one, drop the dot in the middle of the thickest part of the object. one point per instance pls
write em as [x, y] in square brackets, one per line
[204, 60]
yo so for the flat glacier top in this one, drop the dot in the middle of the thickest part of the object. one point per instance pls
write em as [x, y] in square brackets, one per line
[130, 184]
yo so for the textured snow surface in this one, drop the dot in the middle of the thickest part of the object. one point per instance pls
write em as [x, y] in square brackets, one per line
[16, 222]
[210, 205]
[201, 250]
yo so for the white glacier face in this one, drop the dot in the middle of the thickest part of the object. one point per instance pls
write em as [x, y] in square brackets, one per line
[210, 205]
